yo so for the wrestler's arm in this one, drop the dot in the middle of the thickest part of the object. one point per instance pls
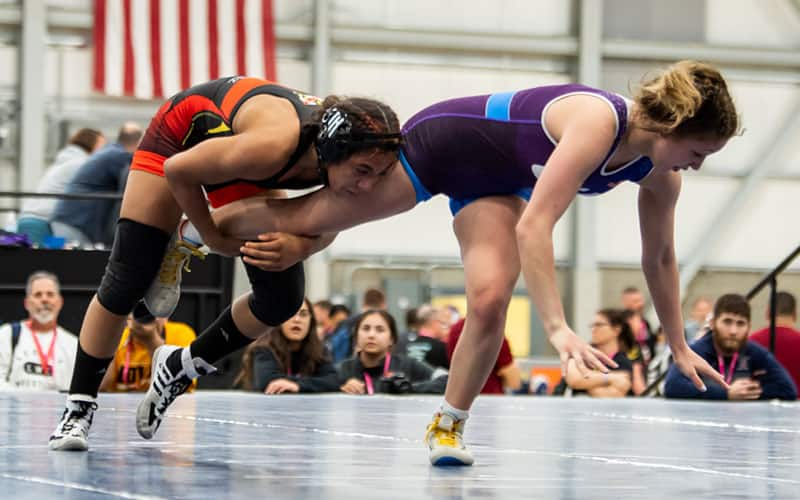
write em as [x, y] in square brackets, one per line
[658, 196]
[320, 212]
[585, 139]
[259, 149]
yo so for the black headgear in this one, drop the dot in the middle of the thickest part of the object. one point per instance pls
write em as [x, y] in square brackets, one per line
[336, 140]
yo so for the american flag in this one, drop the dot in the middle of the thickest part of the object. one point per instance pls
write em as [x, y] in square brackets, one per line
[155, 48]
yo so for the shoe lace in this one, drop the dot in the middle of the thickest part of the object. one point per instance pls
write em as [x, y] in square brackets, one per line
[445, 437]
[179, 255]
[75, 417]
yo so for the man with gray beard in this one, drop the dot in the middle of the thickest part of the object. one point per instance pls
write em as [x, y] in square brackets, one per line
[36, 353]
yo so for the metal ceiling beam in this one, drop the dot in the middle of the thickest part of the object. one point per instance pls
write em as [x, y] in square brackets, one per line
[318, 281]
[522, 43]
[585, 276]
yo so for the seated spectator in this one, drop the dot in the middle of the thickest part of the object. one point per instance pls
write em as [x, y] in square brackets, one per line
[505, 375]
[35, 213]
[36, 353]
[698, 318]
[411, 331]
[633, 302]
[91, 221]
[374, 369]
[611, 334]
[336, 314]
[750, 370]
[341, 340]
[130, 370]
[322, 315]
[787, 338]
[634, 352]
[429, 345]
[289, 358]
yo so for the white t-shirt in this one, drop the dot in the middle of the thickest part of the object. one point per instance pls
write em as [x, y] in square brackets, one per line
[55, 180]
[26, 368]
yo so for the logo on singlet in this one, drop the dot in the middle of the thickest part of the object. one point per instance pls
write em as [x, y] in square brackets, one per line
[308, 100]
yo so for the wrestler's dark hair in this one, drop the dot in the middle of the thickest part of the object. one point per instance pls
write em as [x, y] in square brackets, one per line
[344, 126]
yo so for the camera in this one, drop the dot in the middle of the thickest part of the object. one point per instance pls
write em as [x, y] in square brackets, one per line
[396, 383]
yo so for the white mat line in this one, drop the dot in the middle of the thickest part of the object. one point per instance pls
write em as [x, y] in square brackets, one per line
[78, 486]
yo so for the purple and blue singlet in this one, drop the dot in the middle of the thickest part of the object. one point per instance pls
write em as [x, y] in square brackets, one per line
[496, 144]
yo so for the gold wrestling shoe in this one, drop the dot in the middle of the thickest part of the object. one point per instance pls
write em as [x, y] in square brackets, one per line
[445, 440]
[164, 293]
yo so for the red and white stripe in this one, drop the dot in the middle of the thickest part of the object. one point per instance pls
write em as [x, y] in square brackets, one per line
[155, 48]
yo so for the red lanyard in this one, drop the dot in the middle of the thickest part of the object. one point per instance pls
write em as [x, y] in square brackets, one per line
[721, 363]
[47, 369]
[368, 379]
[127, 364]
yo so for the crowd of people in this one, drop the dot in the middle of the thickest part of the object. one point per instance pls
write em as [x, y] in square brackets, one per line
[325, 348]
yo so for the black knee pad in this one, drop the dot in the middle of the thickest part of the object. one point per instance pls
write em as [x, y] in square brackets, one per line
[276, 297]
[133, 264]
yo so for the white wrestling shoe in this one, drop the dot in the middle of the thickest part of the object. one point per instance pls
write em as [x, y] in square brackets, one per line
[164, 293]
[165, 386]
[72, 432]
[445, 440]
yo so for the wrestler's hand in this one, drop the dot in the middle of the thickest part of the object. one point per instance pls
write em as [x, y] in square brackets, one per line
[223, 245]
[693, 366]
[276, 252]
[587, 358]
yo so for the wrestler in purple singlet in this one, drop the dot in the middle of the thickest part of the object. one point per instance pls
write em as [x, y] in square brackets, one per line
[496, 144]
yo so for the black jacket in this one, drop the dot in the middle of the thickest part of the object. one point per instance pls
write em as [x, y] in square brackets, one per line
[775, 382]
[417, 372]
[266, 368]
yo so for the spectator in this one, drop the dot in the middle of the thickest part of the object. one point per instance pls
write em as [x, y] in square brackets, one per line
[341, 340]
[289, 358]
[411, 331]
[35, 213]
[633, 301]
[131, 368]
[89, 221]
[337, 314]
[455, 314]
[322, 315]
[505, 374]
[374, 369]
[698, 318]
[634, 353]
[611, 334]
[430, 343]
[787, 338]
[37, 353]
[750, 370]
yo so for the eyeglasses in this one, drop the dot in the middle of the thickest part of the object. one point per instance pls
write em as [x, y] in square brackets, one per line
[598, 324]
[303, 313]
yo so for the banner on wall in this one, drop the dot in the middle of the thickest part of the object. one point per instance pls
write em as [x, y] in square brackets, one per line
[154, 48]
